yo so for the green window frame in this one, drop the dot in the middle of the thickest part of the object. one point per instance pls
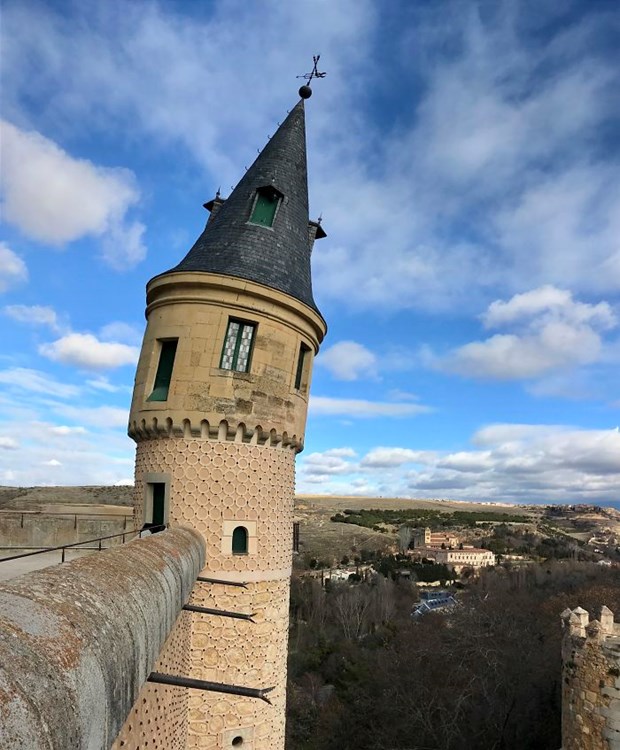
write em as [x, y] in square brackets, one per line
[158, 494]
[265, 206]
[240, 541]
[161, 386]
[238, 344]
[304, 352]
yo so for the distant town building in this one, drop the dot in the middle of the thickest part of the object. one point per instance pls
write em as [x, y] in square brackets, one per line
[413, 537]
[457, 559]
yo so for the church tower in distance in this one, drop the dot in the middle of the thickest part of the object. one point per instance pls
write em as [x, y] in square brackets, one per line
[218, 414]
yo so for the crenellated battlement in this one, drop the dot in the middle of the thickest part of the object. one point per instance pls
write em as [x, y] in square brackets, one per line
[223, 431]
[590, 680]
[577, 623]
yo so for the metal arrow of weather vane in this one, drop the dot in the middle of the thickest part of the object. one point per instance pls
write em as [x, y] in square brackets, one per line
[305, 91]
[314, 73]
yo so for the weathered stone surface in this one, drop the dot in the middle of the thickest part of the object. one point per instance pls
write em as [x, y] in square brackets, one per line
[590, 694]
[77, 641]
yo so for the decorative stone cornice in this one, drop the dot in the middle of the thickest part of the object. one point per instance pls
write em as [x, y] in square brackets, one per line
[198, 287]
[224, 431]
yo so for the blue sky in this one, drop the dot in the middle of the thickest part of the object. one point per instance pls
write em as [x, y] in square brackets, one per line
[464, 157]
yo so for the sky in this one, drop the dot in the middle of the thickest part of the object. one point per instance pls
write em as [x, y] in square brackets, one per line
[464, 157]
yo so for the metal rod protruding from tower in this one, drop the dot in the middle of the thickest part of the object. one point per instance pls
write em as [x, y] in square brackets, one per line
[305, 91]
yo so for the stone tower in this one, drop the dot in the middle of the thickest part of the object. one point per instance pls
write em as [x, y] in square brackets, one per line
[590, 681]
[218, 414]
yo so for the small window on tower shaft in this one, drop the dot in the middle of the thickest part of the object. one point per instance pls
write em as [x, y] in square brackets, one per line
[303, 362]
[163, 377]
[240, 541]
[265, 206]
[238, 346]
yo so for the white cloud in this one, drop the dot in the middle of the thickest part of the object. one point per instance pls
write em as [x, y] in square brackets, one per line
[348, 360]
[35, 381]
[87, 351]
[495, 106]
[554, 332]
[499, 434]
[12, 268]
[550, 302]
[467, 461]
[8, 443]
[142, 69]
[398, 395]
[381, 458]
[123, 332]
[103, 384]
[492, 101]
[341, 452]
[55, 199]
[33, 314]
[123, 245]
[100, 454]
[354, 408]
[63, 430]
[529, 463]
[524, 463]
[325, 464]
[98, 416]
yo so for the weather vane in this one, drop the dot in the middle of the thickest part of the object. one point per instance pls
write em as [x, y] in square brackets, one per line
[305, 91]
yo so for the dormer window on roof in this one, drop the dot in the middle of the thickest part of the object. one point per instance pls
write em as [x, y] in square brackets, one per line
[266, 202]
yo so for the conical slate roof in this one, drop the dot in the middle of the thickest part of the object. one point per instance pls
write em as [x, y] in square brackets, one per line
[277, 256]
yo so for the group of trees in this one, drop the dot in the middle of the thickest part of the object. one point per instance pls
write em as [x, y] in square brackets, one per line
[393, 566]
[377, 518]
[362, 674]
[506, 539]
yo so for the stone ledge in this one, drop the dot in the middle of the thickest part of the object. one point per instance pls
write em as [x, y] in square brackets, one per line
[78, 640]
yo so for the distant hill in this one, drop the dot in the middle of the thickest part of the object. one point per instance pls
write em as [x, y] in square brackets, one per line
[32, 498]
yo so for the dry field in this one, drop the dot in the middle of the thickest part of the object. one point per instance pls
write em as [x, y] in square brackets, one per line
[337, 504]
[41, 498]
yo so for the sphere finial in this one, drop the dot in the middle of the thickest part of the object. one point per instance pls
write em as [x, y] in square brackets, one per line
[305, 91]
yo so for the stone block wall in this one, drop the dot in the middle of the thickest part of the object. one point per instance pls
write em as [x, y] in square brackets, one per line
[33, 530]
[590, 681]
[195, 309]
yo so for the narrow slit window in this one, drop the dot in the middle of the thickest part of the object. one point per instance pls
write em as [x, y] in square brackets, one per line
[155, 503]
[301, 379]
[238, 346]
[158, 490]
[240, 541]
[164, 370]
[265, 206]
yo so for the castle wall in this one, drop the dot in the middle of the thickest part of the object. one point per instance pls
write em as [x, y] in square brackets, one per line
[590, 682]
[32, 530]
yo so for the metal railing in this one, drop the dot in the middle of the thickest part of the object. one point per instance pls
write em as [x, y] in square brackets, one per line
[98, 540]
